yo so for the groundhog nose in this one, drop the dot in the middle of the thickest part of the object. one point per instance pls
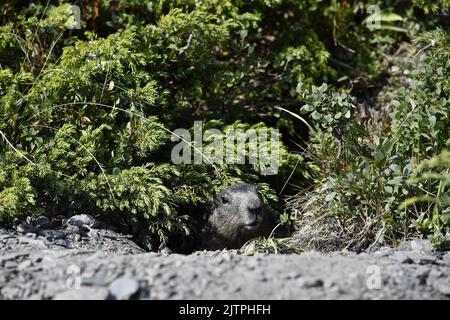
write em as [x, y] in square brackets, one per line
[255, 211]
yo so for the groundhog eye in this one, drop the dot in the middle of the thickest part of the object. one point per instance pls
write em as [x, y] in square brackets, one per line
[255, 211]
[225, 200]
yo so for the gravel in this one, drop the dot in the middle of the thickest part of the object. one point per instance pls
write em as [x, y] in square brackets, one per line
[102, 264]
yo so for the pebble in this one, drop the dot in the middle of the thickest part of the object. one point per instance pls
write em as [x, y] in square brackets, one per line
[123, 288]
[311, 283]
[81, 220]
[292, 275]
[60, 242]
[26, 228]
[401, 257]
[383, 251]
[421, 258]
[446, 258]
[443, 287]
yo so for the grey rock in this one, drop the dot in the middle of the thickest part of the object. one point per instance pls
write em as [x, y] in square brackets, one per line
[401, 257]
[42, 222]
[293, 275]
[420, 258]
[164, 249]
[311, 283]
[61, 242]
[52, 234]
[383, 251]
[72, 230]
[26, 228]
[81, 220]
[31, 235]
[443, 288]
[446, 258]
[123, 288]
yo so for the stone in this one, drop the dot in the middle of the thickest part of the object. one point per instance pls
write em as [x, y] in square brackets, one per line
[52, 234]
[292, 275]
[26, 228]
[446, 258]
[31, 235]
[443, 287]
[401, 257]
[72, 230]
[311, 283]
[420, 258]
[123, 288]
[81, 220]
[42, 222]
[383, 251]
[60, 242]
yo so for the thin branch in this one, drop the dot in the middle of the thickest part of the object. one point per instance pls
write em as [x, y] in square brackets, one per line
[132, 113]
[187, 44]
[17, 151]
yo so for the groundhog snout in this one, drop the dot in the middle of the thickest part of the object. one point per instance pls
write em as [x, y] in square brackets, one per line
[254, 216]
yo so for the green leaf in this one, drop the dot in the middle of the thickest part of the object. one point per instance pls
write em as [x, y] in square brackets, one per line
[323, 87]
[389, 17]
[347, 114]
[383, 17]
[307, 108]
[330, 196]
[316, 115]
[393, 28]
[432, 121]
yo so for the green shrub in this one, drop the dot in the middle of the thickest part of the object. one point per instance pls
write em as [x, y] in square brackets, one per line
[86, 116]
[364, 190]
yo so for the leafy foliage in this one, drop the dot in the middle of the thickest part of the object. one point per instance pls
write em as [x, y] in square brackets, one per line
[87, 115]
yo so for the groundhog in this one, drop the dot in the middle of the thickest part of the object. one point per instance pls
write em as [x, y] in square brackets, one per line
[238, 214]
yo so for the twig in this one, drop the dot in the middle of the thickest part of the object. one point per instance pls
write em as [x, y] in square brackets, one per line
[132, 113]
[18, 152]
[187, 44]
[37, 27]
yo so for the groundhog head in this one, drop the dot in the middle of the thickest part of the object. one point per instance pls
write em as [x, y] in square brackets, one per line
[237, 215]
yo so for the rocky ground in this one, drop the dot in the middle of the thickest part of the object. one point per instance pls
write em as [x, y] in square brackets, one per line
[82, 260]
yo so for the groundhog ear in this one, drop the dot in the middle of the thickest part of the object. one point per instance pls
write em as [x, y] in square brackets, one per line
[219, 200]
